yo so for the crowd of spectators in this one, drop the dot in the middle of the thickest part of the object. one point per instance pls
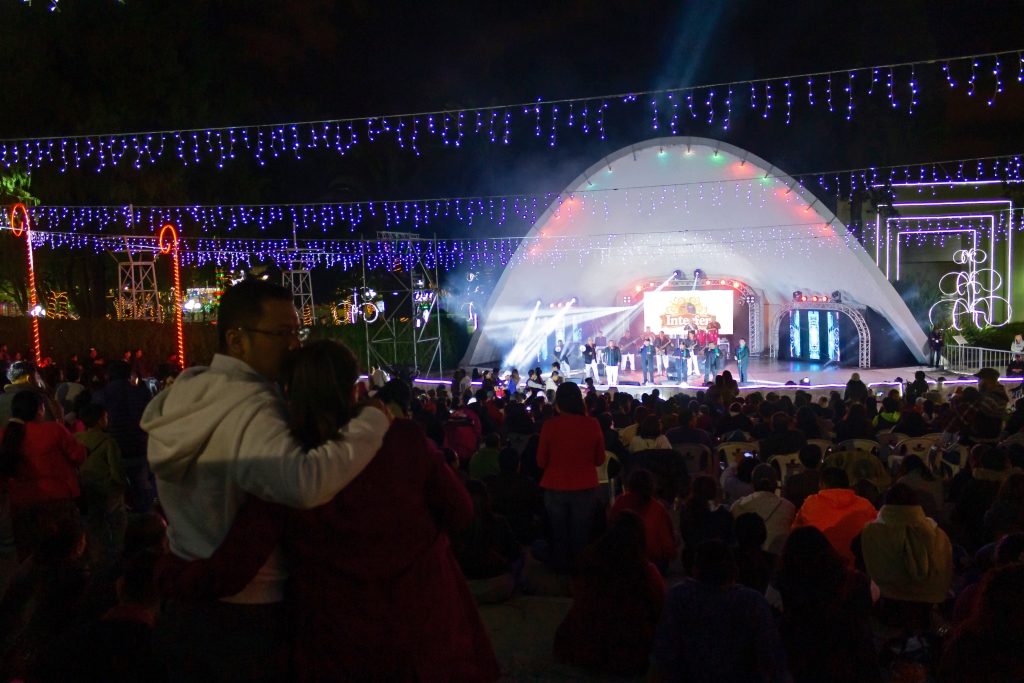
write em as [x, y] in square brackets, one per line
[205, 526]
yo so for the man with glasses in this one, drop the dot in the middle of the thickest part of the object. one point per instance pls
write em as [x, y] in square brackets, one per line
[220, 434]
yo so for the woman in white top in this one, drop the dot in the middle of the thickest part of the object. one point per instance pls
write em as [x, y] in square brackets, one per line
[649, 436]
[1018, 344]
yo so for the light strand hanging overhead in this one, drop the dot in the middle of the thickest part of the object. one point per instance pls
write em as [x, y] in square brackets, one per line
[449, 254]
[717, 106]
[502, 209]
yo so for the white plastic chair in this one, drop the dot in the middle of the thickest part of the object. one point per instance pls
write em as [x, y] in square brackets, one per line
[825, 445]
[698, 459]
[859, 445]
[786, 465]
[887, 440]
[726, 452]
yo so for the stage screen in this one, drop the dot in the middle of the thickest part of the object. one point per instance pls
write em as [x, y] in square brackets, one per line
[673, 311]
[814, 336]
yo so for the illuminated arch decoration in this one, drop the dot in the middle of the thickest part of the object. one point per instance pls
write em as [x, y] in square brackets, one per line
[776, 237]
[863, 333]
[968, 297]
[21, 223]
[169, 242]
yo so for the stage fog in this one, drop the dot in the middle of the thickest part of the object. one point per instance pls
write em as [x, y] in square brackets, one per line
[673, 232]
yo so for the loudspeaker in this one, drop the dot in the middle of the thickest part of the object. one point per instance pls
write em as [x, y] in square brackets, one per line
[628, 383]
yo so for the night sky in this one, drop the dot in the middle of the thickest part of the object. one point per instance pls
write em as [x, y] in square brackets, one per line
[103, 66]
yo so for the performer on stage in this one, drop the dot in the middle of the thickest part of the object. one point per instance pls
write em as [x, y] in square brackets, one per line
[612, 359]
[742, 359]
[600, 342]
[590, 360]
[626, 344]
[712, 362]
[690, 353]
[561, 356]
[663, 346]
[647, 353]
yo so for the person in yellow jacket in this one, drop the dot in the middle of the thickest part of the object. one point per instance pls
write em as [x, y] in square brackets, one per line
[906, 554]
[103, 485]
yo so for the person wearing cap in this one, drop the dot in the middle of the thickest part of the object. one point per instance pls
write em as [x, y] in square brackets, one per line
[24, 377]
[778, 513]
[856, 390]
[836, 511]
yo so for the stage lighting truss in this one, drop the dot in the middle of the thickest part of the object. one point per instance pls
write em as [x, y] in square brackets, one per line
[801, 298]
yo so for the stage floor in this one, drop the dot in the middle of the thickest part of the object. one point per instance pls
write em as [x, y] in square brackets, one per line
[765, 375]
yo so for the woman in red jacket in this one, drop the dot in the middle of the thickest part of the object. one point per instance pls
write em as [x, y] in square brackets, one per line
[376, 592]
[39, 460]
[570, 451]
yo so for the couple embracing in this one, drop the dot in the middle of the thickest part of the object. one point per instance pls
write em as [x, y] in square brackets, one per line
[307, 536]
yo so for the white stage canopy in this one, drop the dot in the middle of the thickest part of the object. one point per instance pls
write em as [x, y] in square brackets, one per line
[677, 204]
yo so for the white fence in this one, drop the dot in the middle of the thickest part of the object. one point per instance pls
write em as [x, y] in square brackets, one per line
[969, 359]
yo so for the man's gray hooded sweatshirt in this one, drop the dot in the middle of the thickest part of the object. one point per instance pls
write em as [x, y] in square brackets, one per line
[221, 433]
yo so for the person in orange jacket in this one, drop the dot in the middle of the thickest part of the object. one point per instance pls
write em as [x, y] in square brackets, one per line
[836, 511]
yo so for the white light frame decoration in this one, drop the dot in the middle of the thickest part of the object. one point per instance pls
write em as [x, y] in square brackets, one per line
[969, 297]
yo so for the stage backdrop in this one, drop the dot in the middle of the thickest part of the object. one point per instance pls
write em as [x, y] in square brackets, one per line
[673, 311]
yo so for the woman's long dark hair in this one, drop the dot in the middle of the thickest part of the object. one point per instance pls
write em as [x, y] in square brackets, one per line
[569, 399]
[618, 560]
[320, 379]
[807, 422]
[641, 485]
[703, 491]
[24, 406]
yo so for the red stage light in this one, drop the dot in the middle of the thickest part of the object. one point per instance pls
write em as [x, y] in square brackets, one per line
[722, 282]
[707, 282]
[814, 298]
[803, 298]
[824, 298]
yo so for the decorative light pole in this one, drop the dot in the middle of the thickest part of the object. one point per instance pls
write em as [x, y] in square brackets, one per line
[21, 223]
[169, 242]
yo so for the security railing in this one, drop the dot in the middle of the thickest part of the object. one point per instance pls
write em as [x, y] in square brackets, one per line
[967, 360]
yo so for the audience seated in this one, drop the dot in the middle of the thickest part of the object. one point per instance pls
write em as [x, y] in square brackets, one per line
[713, 629]
[782, 439]
[703, 518]
[908, 557]
[484, 462]
[836, 511]
[487, 550]
[777, 513]
[516, 498]
[915, 474]
[825, 610]
[687, 431]
[989, 646]
[617, 599]
[649, 436]
[639, 498]
[799, 486]
[756, 566]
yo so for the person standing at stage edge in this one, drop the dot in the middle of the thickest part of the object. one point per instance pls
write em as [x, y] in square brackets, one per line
[218, 435]
[712, 361]
[590, 361]
[647, 353]
[742, 360]
[935, 343]
[626, 348]
[612, 359]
